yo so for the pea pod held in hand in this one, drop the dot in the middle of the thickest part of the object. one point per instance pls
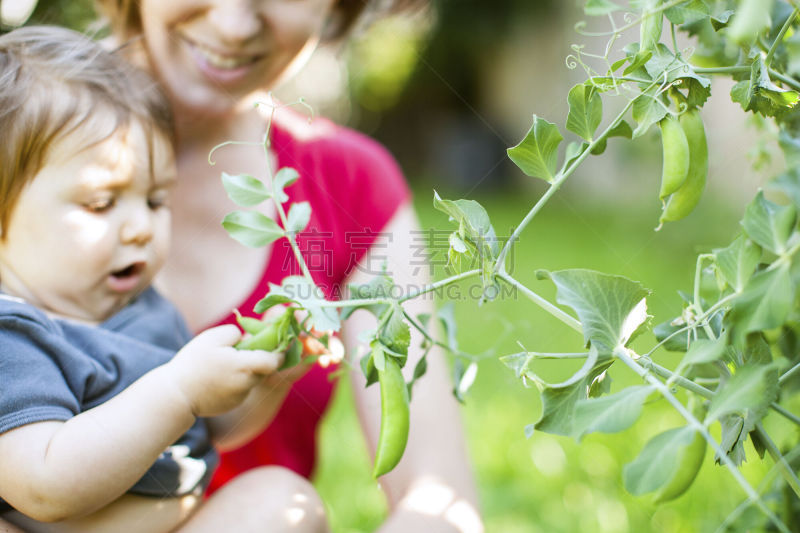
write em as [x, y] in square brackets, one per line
[690, 459]
[273, 336]
[394, 418]
[675, 150]
[684, 200]
[249, 324]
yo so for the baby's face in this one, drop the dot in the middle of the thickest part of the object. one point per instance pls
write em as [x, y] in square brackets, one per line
[91, 229]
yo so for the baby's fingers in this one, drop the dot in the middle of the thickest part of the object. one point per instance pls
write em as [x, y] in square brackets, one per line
[226, 335]
[262, 361]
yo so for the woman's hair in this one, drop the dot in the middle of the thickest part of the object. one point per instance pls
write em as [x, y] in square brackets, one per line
[52, 81]
[124, 20]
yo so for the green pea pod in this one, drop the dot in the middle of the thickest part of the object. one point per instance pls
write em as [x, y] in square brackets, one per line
[651, 26]
[249, 324]
[690, 459]
[675, 149]
[394, 418]
[685, 199]
[272, 337]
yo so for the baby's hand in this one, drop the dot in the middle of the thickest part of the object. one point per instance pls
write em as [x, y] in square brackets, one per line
[215, 377]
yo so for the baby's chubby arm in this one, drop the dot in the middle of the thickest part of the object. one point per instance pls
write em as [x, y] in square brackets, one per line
[52, 471]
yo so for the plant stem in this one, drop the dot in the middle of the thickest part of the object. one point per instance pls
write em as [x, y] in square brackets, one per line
[622, 354]
[702, 391]
[736, 69]
[740, 69]
[791, 82]
[570, 355]
[779, 38]
[785, 413]
[786, 470]
[282, 214]
[675, 378]
[560, 178]
[541, 302]
[788, 374]
[765, 483]
[432, 340]
[356, 302]
[439, 284]
[674, 40]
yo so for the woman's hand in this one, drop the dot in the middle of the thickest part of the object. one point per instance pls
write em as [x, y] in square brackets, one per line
[240, 425]
[215, 377]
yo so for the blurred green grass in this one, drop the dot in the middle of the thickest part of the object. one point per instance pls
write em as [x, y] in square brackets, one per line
[547, 483]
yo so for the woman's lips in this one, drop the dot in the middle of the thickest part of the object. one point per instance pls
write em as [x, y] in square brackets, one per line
[225, 69]
[128, 278]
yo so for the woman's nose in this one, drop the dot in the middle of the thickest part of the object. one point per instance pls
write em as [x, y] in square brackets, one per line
[236, 21]
[137, 227]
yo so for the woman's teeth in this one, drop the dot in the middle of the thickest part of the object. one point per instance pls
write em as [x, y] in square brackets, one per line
[224, 62]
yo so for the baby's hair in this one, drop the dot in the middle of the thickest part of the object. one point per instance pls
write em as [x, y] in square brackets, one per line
[52, 80]
[124, 18]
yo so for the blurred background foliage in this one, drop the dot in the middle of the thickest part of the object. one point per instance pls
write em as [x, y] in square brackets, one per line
[448, 90]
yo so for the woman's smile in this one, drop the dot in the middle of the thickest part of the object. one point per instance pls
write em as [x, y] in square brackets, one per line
[223, 67]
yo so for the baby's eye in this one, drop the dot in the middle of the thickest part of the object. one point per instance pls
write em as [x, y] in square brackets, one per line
[99, 205]
[157, 201]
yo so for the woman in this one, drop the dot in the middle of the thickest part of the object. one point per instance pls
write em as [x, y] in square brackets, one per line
[210, 57]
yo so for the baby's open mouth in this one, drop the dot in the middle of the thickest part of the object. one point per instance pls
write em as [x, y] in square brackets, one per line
[131, 270]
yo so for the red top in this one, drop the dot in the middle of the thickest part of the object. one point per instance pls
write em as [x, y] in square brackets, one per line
[354, 187]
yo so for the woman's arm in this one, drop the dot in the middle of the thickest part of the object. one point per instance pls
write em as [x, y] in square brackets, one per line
[237, 427]
[432, 489]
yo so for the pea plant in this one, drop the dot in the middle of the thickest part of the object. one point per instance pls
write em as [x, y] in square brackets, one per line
[739, 326]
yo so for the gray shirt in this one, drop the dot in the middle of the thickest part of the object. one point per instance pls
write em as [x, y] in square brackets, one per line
[53, 369]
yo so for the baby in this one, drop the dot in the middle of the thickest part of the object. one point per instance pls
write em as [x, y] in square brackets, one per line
[108, 410]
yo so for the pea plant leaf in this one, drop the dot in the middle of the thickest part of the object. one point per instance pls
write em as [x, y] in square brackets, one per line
[611, 309]
[721, 20]
[306, 295]
[537, 154]
[284, 178]
[667, 332]
[585, 111]
[379, 287]
[244, 190]
[768, 223]
[664, 64]
[750, 391]
[647, 110]
[298, 217]
[609, 414]
[687, 12]
[396, 334]
[464, 374]
[737, 262]
[558, 408]
[761, 95]
[473, 223]
[764, 303]
[573, 151]
[622, 129]
[703, 351]
[732, 438]
[251, 228]
[656, 463]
